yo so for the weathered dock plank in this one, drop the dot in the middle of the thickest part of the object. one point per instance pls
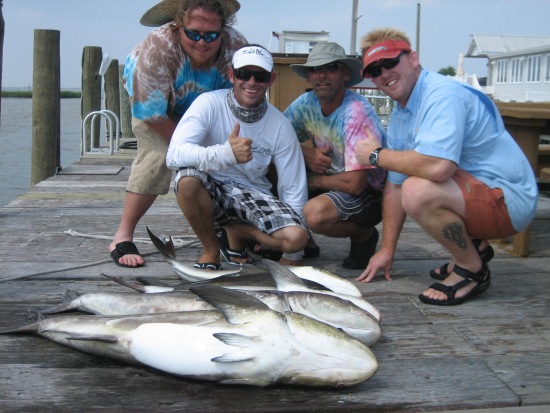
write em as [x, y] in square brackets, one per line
[490, 353]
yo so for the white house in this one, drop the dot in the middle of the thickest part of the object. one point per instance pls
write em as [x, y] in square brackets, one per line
[299, 41]
[518, 67]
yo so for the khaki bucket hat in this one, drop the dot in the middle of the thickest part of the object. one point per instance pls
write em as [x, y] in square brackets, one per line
[165, 12]
[327, 52]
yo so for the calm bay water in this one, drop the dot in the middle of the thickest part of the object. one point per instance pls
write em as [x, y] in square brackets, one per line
[16, 143]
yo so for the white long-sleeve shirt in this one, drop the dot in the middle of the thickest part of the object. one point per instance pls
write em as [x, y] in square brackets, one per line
[201, 140]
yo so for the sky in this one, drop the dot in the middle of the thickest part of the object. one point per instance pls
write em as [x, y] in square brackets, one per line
[445, 31]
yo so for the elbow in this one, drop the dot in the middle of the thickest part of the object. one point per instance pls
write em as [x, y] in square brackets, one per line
[443, 171]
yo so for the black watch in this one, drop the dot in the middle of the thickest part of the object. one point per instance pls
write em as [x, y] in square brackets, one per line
[375, 156]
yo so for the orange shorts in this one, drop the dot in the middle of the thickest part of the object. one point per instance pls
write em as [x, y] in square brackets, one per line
[486, 211]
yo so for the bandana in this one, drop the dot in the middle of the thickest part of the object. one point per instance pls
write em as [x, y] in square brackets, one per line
[246, 115]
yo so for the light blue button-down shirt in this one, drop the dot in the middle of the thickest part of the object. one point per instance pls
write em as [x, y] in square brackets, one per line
[451, 120]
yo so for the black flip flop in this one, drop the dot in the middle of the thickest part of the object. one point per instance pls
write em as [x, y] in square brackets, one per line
[124, 248]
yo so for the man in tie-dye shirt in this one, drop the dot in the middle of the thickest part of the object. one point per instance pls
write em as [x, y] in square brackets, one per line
[187, 55]
[345, 196]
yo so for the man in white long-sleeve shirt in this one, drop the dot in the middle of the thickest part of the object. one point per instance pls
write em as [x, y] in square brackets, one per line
[223, 148]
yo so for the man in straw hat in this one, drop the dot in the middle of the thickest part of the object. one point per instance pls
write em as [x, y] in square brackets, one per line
[223, 148]
[329, 121]
[187, 55]
[453, 168]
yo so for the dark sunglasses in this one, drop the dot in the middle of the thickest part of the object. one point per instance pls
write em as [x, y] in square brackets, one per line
[260, 76]
[376, 70]
[196, 36]
[329, 67]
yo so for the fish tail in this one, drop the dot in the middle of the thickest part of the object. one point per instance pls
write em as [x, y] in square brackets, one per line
[166, 248]
[29, 326]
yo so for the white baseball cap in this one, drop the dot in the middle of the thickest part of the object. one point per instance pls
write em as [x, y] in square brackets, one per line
[253, 56]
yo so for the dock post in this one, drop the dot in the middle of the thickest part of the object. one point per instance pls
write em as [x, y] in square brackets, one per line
[111, 90]
[125, 109]
[91, 90]
[46, 95]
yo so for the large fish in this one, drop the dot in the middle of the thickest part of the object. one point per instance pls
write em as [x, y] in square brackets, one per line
[325, 278]
[244, 342]
[334, 311]
[187, 272]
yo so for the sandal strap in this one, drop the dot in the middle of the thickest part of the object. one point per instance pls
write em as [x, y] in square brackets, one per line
[477, 277]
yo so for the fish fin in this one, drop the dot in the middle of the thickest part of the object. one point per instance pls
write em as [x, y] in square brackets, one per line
[65, 305]
[95, 337]
[166, 248]
[31, 319]
[151, 281]
[236, 306]
[237, 340]
[285, 279]
[234, 358]
[125, 283]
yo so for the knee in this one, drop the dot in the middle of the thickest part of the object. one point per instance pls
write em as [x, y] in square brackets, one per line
[415, 195]
[315, 215]
[294, 239]
[187, 186]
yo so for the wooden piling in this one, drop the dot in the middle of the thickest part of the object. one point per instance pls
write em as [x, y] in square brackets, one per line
[45, 160]
[112, 94]
[91, 91]
[125, 109]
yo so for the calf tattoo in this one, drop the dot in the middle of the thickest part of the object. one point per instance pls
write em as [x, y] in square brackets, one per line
[455, 233]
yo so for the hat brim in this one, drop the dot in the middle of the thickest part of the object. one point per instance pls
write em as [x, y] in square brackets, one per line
[379, 56]
[354, 66]
[165, 12]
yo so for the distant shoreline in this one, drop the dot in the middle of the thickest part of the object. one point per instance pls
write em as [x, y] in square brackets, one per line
[28, 94]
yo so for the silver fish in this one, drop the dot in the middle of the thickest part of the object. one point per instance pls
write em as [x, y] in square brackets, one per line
[244, 342]
[187, 272]
[325, 278]
[334, 311]
[286, 280]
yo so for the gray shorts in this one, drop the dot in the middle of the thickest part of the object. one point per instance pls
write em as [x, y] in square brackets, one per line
[236, 202]
[364, 210]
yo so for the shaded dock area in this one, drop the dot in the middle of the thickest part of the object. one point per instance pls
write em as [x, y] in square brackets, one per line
[491, 353]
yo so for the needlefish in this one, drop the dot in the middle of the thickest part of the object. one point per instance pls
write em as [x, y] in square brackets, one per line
[189, 274]
[243, 342]
[334, 311]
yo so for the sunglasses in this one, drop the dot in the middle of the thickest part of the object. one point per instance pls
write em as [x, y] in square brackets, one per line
[329, 67]
[376, 70]
[196, 36]
[260, 76]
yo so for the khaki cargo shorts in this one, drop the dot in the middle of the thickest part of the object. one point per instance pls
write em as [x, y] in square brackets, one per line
[149, 174]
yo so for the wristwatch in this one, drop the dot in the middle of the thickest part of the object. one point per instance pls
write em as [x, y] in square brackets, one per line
[374, 156]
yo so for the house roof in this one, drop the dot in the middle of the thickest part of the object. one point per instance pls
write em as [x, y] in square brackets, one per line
[486, 46]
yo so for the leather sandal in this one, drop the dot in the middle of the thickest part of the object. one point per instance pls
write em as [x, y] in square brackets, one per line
[482, 278]
[486, 255]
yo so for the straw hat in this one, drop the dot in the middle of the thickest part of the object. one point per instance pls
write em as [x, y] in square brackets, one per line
[327, 52]
[165, 11]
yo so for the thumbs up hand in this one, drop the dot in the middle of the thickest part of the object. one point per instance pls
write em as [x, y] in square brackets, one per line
[242, 147]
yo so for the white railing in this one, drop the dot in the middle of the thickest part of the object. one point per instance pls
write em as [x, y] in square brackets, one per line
[110, 117]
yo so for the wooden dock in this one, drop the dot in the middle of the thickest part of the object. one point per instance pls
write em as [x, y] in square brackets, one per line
[491, 353]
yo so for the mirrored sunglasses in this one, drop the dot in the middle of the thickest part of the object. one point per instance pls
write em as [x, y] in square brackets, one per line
[260, 76]
[329, 67]
[196, 36]
[376, 70]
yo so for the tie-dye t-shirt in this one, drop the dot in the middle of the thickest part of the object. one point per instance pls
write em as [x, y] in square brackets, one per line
[160, 80]
[340, 131]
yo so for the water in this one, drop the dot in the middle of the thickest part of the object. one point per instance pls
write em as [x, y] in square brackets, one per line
[16, 143]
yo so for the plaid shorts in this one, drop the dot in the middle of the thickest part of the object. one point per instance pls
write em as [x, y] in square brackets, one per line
[236, 202]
